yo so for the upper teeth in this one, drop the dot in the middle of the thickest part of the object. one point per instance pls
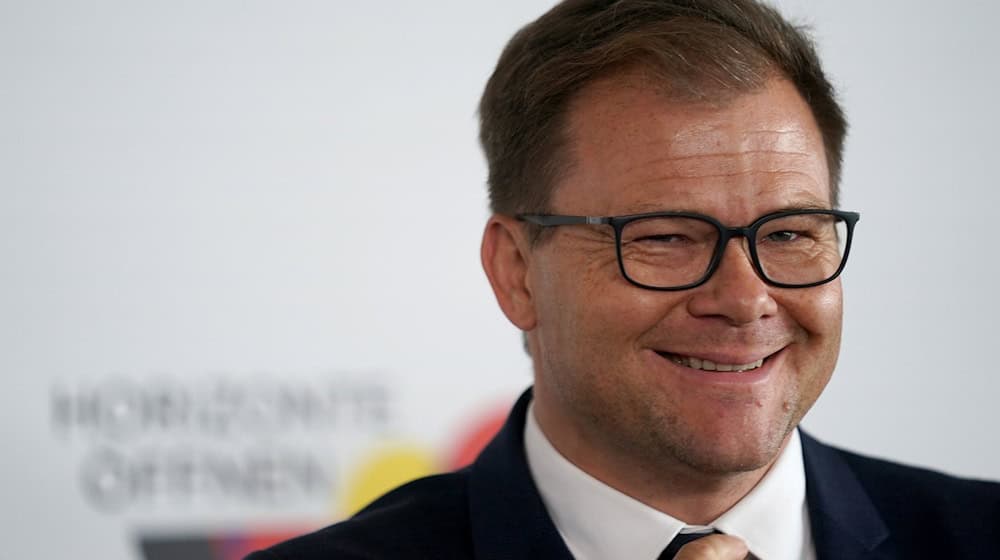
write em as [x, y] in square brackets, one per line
[709, 365]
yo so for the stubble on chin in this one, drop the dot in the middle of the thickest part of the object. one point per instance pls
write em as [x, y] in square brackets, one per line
[635, 429]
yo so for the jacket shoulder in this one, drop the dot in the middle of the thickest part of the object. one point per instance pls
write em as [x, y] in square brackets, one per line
[900, 482]
[917, 502]
[426, 518]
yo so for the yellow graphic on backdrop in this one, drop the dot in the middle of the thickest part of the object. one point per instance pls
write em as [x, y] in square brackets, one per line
[382, 470]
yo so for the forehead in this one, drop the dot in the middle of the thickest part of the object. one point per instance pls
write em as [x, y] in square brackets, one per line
[634, 149]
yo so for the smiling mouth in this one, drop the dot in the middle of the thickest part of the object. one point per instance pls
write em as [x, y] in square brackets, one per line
[708, 365]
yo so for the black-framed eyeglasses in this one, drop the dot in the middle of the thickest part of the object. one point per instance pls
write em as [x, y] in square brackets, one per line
[681, 250]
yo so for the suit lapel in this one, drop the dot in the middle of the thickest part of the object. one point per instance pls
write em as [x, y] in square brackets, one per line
[509, 520]
[845, 523]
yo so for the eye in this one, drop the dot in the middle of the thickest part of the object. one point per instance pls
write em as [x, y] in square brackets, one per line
[671, 232]
[665, 238]
[782, 236]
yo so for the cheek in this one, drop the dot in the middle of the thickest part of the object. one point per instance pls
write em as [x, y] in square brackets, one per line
[607, 306]
[819, 312]
[592, 312]
[819, 316]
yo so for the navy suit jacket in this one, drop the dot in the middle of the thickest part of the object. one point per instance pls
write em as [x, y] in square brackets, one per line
[860, 509]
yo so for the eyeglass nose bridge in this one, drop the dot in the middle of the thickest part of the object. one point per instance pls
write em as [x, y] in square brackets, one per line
[726, 234]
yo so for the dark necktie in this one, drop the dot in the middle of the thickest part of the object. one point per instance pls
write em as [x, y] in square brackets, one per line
[680, 540]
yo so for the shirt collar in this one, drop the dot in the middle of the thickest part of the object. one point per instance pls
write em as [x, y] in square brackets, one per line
[598, 522]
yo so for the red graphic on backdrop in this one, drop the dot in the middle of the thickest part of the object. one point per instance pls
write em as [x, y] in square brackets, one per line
[475, 438]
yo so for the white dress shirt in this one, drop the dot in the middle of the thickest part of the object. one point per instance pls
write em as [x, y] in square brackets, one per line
[598, 522]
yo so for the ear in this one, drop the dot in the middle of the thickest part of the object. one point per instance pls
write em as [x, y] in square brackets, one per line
[505, 253]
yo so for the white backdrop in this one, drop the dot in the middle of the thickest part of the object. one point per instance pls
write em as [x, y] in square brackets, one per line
[203, 204]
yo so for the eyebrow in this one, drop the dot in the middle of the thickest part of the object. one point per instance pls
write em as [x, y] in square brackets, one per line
[646, 208]
[804, 206]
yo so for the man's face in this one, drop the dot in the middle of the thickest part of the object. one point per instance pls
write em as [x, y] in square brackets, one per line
[607, 379]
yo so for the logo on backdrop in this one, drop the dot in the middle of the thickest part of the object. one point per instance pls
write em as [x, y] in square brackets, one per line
[230, 441]
[384, 467]
[219, 440]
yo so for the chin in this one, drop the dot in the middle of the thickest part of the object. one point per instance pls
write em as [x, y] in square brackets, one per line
[714, 461]
[730, 451]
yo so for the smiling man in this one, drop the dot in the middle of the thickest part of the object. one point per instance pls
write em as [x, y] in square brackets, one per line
[700, 387]
[664, 179]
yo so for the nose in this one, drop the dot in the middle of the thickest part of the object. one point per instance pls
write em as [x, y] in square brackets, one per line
[734, 292]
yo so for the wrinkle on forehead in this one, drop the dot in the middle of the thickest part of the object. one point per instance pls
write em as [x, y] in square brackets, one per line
[706, 137]
[728, 165]
[630, 144]
[718, 149]
[786, 192]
